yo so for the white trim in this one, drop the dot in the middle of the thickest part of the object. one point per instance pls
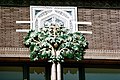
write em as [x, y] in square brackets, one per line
[19, 22]
[22, 30]
[61, 8]
[87, 23]
[85, 32]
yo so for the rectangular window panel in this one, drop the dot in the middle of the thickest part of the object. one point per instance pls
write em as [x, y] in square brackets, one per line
[11, 73]
[102, 74]
[70, 74]
[37, 73]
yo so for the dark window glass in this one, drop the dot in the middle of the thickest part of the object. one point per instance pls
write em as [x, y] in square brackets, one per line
[70, 74]
[37, 73]
[102, 74]
[11, 73]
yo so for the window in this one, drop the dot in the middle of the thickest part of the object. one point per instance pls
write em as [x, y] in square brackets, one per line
[102, 74]
[11, 73]
[70, 74]
[37, 73]
[72, 71]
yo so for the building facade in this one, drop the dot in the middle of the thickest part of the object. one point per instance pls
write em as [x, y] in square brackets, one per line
[101, 60]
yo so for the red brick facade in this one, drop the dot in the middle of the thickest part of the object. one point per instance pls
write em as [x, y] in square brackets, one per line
[8, 17]
[105, 27]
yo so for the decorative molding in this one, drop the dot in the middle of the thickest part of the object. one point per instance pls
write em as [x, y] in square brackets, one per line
[45, 16]
[90, 53]
[102, 54]
[14, 52]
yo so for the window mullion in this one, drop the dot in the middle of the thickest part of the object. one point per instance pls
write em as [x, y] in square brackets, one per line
[81, 73]
[48, 72]
[25, 72]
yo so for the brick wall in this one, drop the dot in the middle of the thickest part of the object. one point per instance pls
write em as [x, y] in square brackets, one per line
[105, 26]
[8, 17]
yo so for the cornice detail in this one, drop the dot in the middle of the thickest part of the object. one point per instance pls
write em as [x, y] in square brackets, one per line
[78, 3]
[90, 53]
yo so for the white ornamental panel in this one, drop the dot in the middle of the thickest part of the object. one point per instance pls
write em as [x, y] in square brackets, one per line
[44, 16]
